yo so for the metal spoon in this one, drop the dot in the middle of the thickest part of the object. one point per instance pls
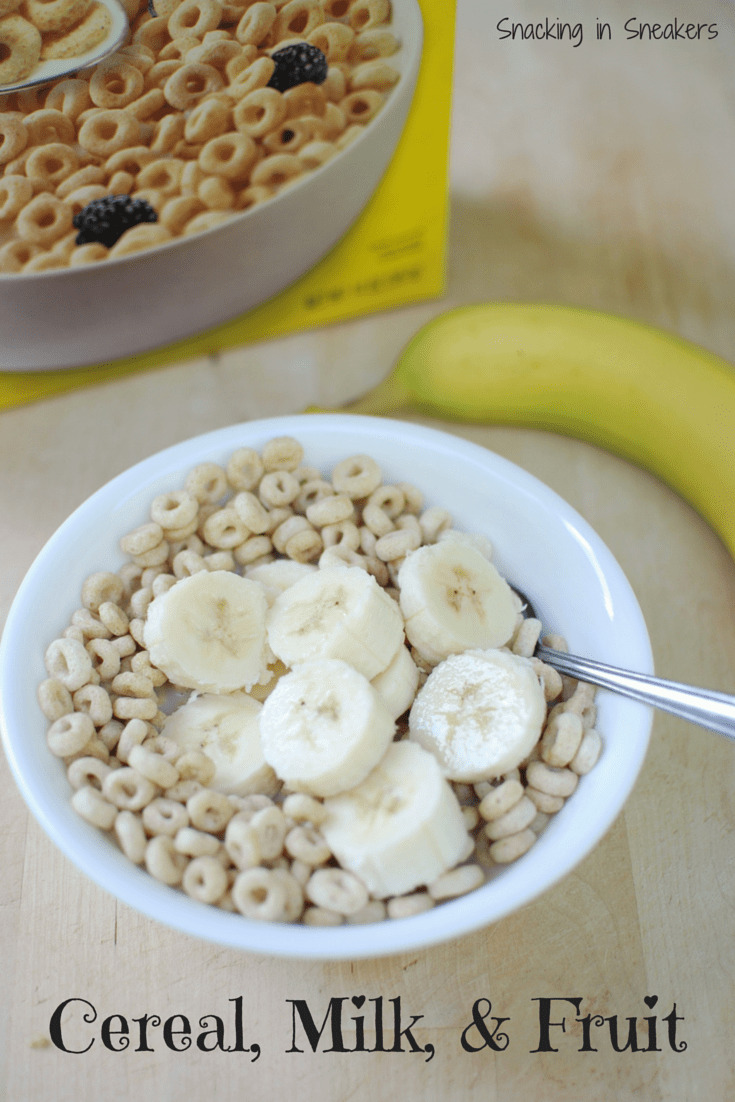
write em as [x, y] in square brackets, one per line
[46, 71]
[705, 707]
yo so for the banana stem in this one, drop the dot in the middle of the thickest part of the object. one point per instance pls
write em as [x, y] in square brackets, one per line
[388, 397]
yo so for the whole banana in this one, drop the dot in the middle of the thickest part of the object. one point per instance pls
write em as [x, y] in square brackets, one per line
[639, 392]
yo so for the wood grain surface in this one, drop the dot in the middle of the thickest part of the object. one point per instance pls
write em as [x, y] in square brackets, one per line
[603, 176]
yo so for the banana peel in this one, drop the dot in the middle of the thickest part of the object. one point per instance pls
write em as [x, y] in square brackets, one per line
[646, 395]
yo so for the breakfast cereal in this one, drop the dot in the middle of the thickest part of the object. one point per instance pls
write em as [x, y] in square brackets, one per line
[209, 109]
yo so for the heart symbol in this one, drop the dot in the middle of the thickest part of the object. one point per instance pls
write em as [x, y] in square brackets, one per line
[358, 1000]
[650, 1001]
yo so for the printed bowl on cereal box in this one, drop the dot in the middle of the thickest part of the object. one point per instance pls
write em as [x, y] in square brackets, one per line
[196, 172]
[134, 778]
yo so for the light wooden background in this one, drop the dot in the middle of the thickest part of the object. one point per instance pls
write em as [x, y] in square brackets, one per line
[600, 176]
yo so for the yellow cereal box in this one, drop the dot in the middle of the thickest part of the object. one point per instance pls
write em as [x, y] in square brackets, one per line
[393, 252]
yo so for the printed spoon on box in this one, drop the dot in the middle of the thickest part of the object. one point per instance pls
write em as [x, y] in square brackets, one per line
[33, 54]
[705, 707]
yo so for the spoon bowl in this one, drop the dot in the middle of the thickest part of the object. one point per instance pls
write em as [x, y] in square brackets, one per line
[47, 71]
[705, 707]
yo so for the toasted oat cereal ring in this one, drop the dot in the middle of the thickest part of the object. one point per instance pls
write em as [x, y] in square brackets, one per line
[510, 848]
[109, 131]
[217, 53]
[157, 76]
[297, 19]
[588, 752]
[376, 74]
[216, 193]
[55, 15]
[258, 893]
[132, 160]
[372, 44]
[47, 126]
[224, 529]
[48, 165]
[82, 177]
[81, 196]
[44, 220]
[153, 33]
[208, 220]
[178, 48]
[288, 138]
[71, 97]
[15, 192]
[305, 99]
[20, 48]
[89, 803]
[251, 511]
[70, 734]
[256, 75]
[163, 174]
[231, 155]
[6, 6]
[276, 170]
[366, 14]
[207, 483]
[251, 196]
[84, 36]
[169, 132]
[16, 254]
[54, 698]
[115, 83]
[358, 476]
[554, 781]
[45, 261]
[137, 54]
[259, 112]
[333, 39]
[139, 238]
[362, 106]
[163, 862]
[194, 17]
[209, 811]
[190, 83]
[256, 24]
[13, 136]
[131, 836]
[205, 879]
[209, 119]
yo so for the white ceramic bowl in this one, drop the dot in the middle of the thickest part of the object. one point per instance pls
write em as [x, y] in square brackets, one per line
[541, 543]
[78, 316]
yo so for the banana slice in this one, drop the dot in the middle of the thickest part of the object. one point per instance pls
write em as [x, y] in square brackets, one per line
[338, 612]
[279, 575]
[324, 727]
[401, 827]
[226, 728]
[452, 599]
[479, 713]
[397, 683]
[208, 632]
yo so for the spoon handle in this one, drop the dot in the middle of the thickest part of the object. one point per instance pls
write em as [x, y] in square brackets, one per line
[704, 707]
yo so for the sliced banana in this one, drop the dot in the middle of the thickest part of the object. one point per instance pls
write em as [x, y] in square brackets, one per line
[226, 728]
[397, 683]
[338, 612]
[452, 599]
[401, 827]
[278, 575]
[208, 632]
[479, 713]
[324, 727]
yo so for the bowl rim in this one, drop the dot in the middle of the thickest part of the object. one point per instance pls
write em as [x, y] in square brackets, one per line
[96, 854]
[411, 50]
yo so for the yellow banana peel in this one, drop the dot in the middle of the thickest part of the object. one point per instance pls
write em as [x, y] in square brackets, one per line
[634, 390]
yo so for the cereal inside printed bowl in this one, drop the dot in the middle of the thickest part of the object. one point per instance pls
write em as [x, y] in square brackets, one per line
[221, 152]
[288, 702]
